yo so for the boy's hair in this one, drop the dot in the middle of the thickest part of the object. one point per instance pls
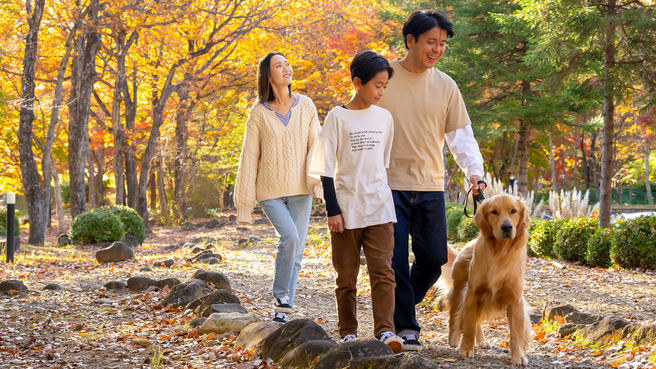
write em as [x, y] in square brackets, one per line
[264, 90]
[422, 21]
[366, 64]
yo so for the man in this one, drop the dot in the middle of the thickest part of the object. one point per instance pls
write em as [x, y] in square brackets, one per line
[427, 109]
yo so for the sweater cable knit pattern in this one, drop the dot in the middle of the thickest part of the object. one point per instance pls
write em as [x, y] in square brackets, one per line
[275, 158]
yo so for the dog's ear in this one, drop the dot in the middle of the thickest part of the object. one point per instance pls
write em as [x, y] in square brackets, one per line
[480, 219]
[524, 217]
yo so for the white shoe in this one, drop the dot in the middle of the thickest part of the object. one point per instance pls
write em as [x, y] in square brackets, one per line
[390, 339]
[348, 337]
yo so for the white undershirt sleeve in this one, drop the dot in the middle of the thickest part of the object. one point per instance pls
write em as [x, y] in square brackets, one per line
[464, 148]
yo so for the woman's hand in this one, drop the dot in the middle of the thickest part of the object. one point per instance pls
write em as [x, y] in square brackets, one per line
[336, 223]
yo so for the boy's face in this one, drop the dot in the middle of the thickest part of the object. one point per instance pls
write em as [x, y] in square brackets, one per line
[372, 91]
[428, 48]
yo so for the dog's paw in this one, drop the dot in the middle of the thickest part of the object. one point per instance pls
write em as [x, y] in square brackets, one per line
[468, 353]
[519, 360]
[454, 340]
[484, 345]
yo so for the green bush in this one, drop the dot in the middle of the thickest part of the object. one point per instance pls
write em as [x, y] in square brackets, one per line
[599, 248]
[542, 238]
[132, 222]
[97, 225]
[3, 222]
[633, 244]
[453, 218]
[572, 235]
[467, 230]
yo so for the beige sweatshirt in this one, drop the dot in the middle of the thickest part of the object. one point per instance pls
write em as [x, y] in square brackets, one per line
[275, 158]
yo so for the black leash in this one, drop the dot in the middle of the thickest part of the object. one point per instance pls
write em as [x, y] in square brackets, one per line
[478, 198]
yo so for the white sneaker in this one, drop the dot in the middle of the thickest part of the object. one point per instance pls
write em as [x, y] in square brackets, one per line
[280, 318]
[390, 339]
[410, 342]
[348, 337]
[281, 305]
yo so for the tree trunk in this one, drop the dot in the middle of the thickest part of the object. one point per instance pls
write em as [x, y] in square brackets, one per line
[554, 176]
[650, 198]
[83, 77]
[576, 158]
[152, 185]
[609, 115]
[163, 206]
[522, 165]
[37, 198]
[61, 222]
[128, 146]
[181, 119]
[93, 197]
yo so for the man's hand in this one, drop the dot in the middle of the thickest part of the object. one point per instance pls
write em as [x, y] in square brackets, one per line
[319, 200]
[336, 223]
[474, 181]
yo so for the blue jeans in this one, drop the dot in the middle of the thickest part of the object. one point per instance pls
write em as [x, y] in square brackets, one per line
[290, 216]
[419, 214]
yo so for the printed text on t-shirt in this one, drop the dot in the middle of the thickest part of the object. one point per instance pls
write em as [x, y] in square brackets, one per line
[363, 140]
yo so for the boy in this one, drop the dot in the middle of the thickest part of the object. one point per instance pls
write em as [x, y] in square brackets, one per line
[354, 149]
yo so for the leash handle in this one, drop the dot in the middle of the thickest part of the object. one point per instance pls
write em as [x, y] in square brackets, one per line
[477, 198]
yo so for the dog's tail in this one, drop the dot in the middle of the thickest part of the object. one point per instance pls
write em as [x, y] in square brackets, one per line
[445, 283]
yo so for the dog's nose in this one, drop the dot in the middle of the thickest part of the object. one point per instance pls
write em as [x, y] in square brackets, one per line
[506, 227]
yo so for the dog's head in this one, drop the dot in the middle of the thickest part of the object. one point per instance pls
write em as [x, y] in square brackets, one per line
[502, 216]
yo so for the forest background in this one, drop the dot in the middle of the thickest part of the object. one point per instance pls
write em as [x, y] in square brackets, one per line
[143, 103]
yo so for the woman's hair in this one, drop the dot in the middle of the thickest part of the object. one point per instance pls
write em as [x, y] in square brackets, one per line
[264, 89]
[422, 21]
[366, 64]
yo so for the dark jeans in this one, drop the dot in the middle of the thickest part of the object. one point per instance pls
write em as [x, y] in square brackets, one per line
[419, 214]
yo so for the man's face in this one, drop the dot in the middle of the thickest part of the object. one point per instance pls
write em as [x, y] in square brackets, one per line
[428, 48]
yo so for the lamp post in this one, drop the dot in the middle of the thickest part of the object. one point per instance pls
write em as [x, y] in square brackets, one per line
[11, 213]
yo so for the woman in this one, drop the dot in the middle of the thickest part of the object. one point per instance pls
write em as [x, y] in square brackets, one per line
[281, 132]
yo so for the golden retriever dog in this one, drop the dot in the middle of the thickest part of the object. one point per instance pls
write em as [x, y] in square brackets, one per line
[488, 279]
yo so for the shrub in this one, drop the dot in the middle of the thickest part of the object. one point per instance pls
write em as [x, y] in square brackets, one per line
[467, 230]
[3, 222]
[633, 244]
[571, 241]
[453, 218]
[132, 222]
[97, 225]
[542, 238]
[599, 248]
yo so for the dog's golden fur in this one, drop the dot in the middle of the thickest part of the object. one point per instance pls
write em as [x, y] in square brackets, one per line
[488, 279]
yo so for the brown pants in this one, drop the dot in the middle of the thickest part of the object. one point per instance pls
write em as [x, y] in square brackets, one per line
[378, 243]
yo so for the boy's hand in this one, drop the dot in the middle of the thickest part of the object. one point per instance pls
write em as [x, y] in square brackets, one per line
[336, 223]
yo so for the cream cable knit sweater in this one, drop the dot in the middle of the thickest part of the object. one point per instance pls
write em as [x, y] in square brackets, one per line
[275, 159]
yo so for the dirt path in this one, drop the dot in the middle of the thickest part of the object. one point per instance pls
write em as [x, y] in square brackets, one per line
[85, 326]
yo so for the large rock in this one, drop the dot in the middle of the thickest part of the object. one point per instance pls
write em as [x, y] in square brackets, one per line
[304, 355]
[168, 282]
[254, 334]
[184, 293]
[227, 322]
[115, 285]
[63, 240]
[553, 309]
[411, 360]
[205, 256]
[131, 240]
[197, 322]
[52, 287]
[568, 329]
[579, 317]
[342, 354]
[629, 329]
[595, 332]
[12, 284]
[140, 283]
[290, 336]
[118, 251]
[216, 297]
[645, 334]
[223, 308]
[219, 280]
[535, 315]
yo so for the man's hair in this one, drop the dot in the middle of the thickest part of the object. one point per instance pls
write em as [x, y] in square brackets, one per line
[264, 89]
[366, 64]
[422, 21]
